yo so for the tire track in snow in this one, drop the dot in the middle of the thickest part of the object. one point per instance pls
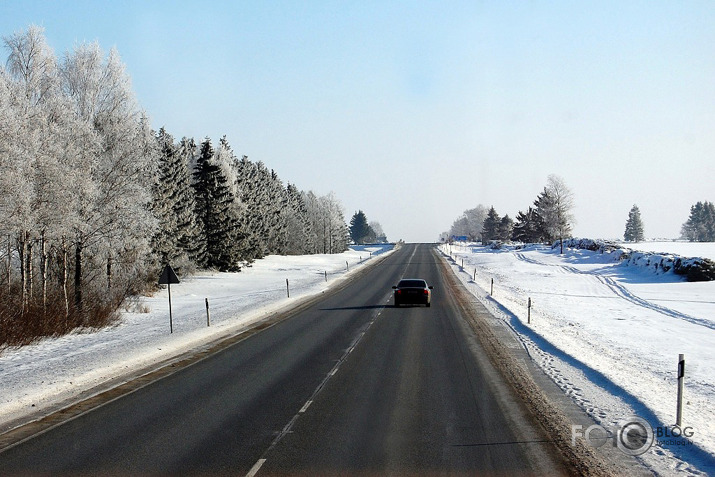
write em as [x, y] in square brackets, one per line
[622, 292]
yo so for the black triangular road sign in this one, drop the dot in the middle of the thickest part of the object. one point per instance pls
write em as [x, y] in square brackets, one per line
[168, 276]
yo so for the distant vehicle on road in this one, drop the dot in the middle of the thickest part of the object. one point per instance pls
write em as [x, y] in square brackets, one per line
[412, 291]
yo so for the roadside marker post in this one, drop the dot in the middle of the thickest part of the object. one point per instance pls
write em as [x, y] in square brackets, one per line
[168, 276]
[492, 290]
[528, 320]
[208, 314]
[681, 384]
[287, 288]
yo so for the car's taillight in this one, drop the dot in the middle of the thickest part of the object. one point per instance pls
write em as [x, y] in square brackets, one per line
[398, 291]
[426, 291]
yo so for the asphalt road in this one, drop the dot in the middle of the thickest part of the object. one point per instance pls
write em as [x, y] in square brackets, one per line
[349, 386]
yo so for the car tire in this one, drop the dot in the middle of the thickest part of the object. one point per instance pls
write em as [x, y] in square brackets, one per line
[428, 305]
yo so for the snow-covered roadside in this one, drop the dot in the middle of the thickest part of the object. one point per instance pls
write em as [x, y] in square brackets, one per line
[609, 336]
[44, 374]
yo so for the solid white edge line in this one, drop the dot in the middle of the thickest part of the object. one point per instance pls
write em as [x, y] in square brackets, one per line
[256, 467]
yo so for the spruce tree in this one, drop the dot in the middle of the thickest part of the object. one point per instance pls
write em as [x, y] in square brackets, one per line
[700, 226]
[506, 228]
[545, 217]
[359, 228]
[189, 228]
[164, 242]
[527, 228]
[215, 208]
[298, 226]
[634, 226]
[253, 198]
[490, 228]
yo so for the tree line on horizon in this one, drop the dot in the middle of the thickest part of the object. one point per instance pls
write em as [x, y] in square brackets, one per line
[549, 218]
[95, 202]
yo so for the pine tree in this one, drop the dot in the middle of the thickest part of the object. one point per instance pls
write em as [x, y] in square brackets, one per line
[215, 209]
[634, 226]
[490, 228]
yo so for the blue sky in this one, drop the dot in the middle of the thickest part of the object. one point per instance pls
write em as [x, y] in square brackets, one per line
[416, 111]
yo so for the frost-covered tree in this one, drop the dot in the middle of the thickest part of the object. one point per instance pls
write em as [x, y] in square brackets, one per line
[77, 169]
[29, 87]
[298, 226]
[554, 209]
[32, 63]
[115, 223]
[327, 222]
[470, 223]
[190, 228]
[275, 211]
[634, 226]
[380, 236]
[700, 226]
[260, 202]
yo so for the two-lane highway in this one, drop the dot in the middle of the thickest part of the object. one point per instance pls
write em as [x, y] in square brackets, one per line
[350, 386]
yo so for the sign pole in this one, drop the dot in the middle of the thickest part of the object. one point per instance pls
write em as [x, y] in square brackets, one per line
[168, 276]
[171, 321]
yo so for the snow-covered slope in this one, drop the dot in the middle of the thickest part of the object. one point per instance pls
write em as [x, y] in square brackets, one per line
[609, 335]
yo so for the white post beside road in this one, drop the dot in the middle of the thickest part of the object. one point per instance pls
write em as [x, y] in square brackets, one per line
[681, 383]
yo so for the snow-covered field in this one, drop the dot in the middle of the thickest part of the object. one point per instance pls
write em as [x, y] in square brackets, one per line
[609, 335]
[43, 375]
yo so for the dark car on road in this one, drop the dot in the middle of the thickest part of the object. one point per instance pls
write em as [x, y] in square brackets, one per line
[412, 291]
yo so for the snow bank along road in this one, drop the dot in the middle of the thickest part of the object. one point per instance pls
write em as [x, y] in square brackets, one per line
[347, 385]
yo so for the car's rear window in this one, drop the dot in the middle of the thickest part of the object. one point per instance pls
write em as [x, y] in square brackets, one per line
[412, 284]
